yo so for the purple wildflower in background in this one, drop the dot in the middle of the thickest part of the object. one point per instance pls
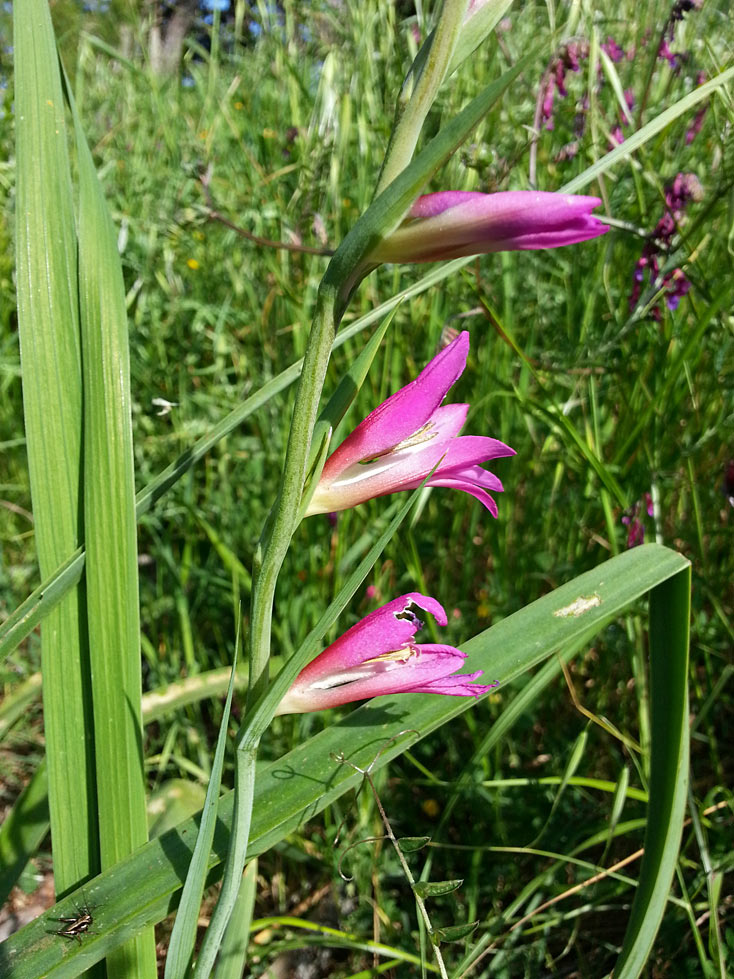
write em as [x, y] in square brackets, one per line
[672, 57]
[677, 287]
[401, 441]
[379, 656]
[568, 59]
[631, 520]
[677, 12]
[685, 188]
[636, 532]
[616, 136]
[612, 50]
[695, 128]
[453, 223]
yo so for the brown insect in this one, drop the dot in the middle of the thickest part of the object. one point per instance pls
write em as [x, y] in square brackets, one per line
[77, 926]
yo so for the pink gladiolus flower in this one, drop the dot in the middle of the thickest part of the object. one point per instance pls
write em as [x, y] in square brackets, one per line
[378, 656]
[400, 442]
[455, 223]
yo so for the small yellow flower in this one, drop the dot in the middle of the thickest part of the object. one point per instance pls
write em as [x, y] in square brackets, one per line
[239, 106]
[269, 134]
[431, 808]
[192, 264]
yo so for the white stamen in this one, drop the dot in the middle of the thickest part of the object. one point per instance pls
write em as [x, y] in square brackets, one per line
[383, 663]
[368, 469]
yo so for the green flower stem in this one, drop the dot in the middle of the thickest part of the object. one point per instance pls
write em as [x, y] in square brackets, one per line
[244, 793]
[419, 91]
[273, 547]
[347, 267]
[283, 519]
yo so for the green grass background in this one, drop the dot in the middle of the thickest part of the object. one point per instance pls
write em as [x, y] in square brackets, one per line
[286, 126]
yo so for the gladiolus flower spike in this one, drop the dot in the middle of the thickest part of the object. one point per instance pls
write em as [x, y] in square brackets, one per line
[378, 656]
[400, 442]
[454, 223]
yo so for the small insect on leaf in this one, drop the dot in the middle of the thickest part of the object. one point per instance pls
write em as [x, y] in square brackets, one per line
[77, 926]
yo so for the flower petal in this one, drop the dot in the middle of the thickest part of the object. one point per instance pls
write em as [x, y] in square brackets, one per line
[470, 481]
[456, 685]
[385, 630]
[377, 657]
[416, 670]
[471, 449]
[451, 224]
[405, 412]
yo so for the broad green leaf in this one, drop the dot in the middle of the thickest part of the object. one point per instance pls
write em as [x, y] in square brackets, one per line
[111, 572]
[144, 887]
[48, 325]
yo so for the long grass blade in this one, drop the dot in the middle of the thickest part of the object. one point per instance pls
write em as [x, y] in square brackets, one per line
[111, 544]
[670, 609]
[183, 936]
[233, 953]
[24, 829]
[48, 324]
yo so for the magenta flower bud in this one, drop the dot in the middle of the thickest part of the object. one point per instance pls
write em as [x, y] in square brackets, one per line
[378, 656]
[400, 442]
[454, 223]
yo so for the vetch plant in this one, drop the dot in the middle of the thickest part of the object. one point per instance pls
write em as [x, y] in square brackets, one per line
[673, 283]
[422, 889]
[377, 656]
[410, 437]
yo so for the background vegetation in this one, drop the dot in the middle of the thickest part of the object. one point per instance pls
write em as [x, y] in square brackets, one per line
[275, 125]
